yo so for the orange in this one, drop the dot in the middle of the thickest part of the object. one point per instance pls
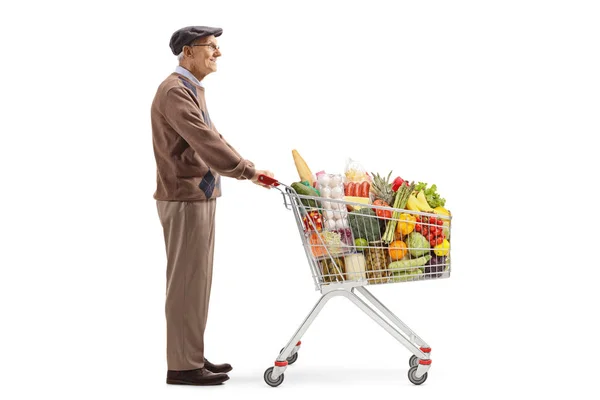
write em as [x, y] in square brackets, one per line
[397, 249]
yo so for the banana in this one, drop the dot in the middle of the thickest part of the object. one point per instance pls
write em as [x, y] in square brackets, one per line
[413, 203]
[441, 211]
[423, 205]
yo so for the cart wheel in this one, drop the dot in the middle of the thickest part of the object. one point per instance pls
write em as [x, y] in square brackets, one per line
[291, 359]
[270, 381]
[414, 361]
[413, 378]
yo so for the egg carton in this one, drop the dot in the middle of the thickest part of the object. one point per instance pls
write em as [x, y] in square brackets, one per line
[335, 215]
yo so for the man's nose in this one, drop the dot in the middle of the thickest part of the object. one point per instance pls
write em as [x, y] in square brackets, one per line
[217, 53]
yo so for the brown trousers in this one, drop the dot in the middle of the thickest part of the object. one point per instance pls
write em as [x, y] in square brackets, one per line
[189, 230]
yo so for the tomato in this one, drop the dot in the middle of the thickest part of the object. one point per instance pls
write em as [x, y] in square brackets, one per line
[439, 241]
[430, 237]
[425, 231]
[440, 222]
[438, 230]
[383, 214]
[418, 227]
[432, 242]
[432, 220]
[418, 218]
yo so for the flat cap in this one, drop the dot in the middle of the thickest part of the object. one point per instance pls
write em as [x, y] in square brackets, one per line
[187, 35]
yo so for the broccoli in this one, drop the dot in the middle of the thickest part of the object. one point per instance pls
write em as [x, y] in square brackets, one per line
[365, 224]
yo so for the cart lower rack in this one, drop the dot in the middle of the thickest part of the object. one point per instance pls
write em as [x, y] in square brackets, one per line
[351, 252]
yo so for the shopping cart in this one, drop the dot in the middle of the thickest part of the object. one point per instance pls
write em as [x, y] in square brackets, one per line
[343, 265]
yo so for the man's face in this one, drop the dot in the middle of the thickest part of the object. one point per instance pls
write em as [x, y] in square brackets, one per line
[204, 52]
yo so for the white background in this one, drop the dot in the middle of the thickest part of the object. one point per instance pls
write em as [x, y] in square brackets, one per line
[495, 102]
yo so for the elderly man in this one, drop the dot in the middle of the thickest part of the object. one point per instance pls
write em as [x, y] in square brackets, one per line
[191, 155]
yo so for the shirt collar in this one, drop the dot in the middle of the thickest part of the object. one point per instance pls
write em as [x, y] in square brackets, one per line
[182, 71]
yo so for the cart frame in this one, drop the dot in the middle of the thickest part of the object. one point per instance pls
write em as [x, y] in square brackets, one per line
[419, 363]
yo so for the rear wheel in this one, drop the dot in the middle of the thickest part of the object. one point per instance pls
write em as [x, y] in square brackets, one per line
[291, 359]
[269, 378]
[414, 361]
[413, 377]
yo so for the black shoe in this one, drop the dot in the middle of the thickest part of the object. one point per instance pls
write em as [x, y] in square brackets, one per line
[198, 377]
[217, 368]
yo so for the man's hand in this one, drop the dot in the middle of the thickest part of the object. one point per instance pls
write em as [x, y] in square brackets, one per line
[261, 172]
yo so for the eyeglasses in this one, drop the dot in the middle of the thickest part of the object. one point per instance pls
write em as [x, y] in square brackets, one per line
[211, 45]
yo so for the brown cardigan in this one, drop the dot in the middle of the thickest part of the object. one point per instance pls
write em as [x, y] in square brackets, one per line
[190, 153]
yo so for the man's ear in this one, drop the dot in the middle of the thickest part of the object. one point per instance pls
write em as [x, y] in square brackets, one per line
[187, 51]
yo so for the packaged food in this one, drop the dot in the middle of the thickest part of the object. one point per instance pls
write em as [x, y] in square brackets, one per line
[355, 267]
[332, 269]
[334, 243]
[356, 202]
[335, 215]
[377, 260]
[346, 236]
[328, 243]
[355, 172]
[313, 221]
[316, 244]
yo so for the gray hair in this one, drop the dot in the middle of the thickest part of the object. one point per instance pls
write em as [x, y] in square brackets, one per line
[180, 56]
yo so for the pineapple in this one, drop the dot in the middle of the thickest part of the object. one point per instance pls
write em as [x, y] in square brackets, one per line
[382, 188]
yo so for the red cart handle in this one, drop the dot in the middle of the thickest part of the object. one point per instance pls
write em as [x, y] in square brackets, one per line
[267, 180]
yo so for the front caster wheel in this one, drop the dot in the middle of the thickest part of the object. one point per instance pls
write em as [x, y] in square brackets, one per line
[270, 381]
[413, 377]
[414, 361]
[291, 359]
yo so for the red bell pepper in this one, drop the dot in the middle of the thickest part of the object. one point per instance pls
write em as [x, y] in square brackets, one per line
[397, 183]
